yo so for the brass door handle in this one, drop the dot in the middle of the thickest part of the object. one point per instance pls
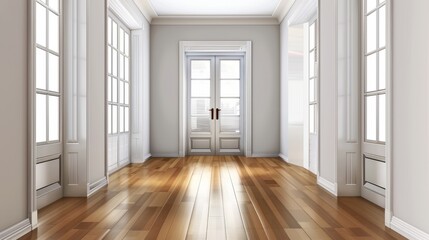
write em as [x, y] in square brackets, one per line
[212, 112]
[217, 113]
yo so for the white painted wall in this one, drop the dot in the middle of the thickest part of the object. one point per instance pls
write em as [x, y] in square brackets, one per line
[165, 83]
[14, 145]
[284, 61]
[327, 90]
[411, 113]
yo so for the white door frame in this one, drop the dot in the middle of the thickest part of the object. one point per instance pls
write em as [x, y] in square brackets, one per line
[215, 46]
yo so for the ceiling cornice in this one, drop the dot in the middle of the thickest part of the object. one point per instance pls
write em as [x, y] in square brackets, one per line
[214, 20]
[278, 15]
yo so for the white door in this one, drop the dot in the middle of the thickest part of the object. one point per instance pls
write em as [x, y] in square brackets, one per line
[214, 105]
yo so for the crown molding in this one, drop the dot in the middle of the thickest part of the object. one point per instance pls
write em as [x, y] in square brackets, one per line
[214, 20]
[153, 18]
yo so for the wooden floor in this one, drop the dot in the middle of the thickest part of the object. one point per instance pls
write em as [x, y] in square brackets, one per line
[212, 198]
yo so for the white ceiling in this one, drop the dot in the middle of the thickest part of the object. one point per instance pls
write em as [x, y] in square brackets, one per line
[214, 7]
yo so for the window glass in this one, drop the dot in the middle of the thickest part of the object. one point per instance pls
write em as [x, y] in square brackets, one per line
[371, 118]
[230, 69]
[54, 118]
[230, 88]
[54, 29]
[40, 69]
[371, 32]
[382, 27]
[371, 72]
[382, 118]
[41, 120]
[40, 25]
[382, 70]
[54, 73]
[200, 69]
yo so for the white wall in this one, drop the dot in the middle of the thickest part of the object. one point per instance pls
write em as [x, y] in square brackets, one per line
[410, 160]
[14, 113]
[284, 89]
[327, 90]
[165, 83]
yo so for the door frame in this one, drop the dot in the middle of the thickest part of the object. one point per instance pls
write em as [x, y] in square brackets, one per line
[215, 46]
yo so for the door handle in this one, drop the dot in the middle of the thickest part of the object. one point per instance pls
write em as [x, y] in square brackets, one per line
[217, 113]
[212, 112]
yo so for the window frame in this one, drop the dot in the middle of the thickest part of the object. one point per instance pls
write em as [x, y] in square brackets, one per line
[111, 77]
[377, 92]
[314, 77]
[47, 51]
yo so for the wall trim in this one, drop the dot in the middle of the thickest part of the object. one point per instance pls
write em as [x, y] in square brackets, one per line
[94, 187]
[165, 155]
[284, 157]
[327, 185]
[264, 155]
[407, 230]
[214, 20]
[16, 231]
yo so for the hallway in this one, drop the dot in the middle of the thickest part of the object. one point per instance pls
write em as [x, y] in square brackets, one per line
[212, 197]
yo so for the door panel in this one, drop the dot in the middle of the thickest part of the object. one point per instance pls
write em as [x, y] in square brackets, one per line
[214, 103]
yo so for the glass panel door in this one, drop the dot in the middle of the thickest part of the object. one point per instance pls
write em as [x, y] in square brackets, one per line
[214, 103]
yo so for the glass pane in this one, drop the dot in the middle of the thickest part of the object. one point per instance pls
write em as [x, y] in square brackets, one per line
[371, 118]
[312, 88]
[312, 36]
[109, 31]
[370, 5]
[54, 118]
[200, 88]
[114, 119]
[121, 66]
[127, 69]
[230, 106]
[382, 117]
[127, 44]
[382, 70]
[371, 72]
[115, 63]
[109, 89]
[40, 25]
[382, 27]
[200, 106]
[127, 93]
[311, 64]
[200, 124]
[312, 119]
[54, 29]
[121, 92]
[127, 119]
[114, 90]
[115, 34]
[41, 118]
[109, 119]
[121, 39]
[54, 73]
[371, 32]
[200, 69]
[109, 59]
[54, 5]
[230, 88]
[40, 69]
[230, 124]
[230, 69]
[121, 119]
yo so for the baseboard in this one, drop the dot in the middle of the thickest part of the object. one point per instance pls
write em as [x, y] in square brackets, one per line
[265, 155]
[142, 160]
[408, 230]
[16, 231]
[165, 155]
[94, 187]
[284, 157]
[146, 157]
[327, 185]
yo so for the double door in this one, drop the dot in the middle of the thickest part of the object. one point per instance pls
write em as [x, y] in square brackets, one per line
[215, 123]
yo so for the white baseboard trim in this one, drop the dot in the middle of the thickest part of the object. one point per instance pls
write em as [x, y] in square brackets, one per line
[408, 230]
[265, 155]
[16, 231]
[146, 157]
[327, 185]
[284, 157]
[142, 160]
[94, 187]
[165, 155]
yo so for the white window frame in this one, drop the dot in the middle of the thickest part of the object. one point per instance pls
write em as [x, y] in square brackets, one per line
[378, 92]
[315, 78]
[126, 104]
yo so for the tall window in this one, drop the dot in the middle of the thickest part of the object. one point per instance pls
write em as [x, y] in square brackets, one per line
[118, 80]
[48, 87]
[312, 82]
[375, 71]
